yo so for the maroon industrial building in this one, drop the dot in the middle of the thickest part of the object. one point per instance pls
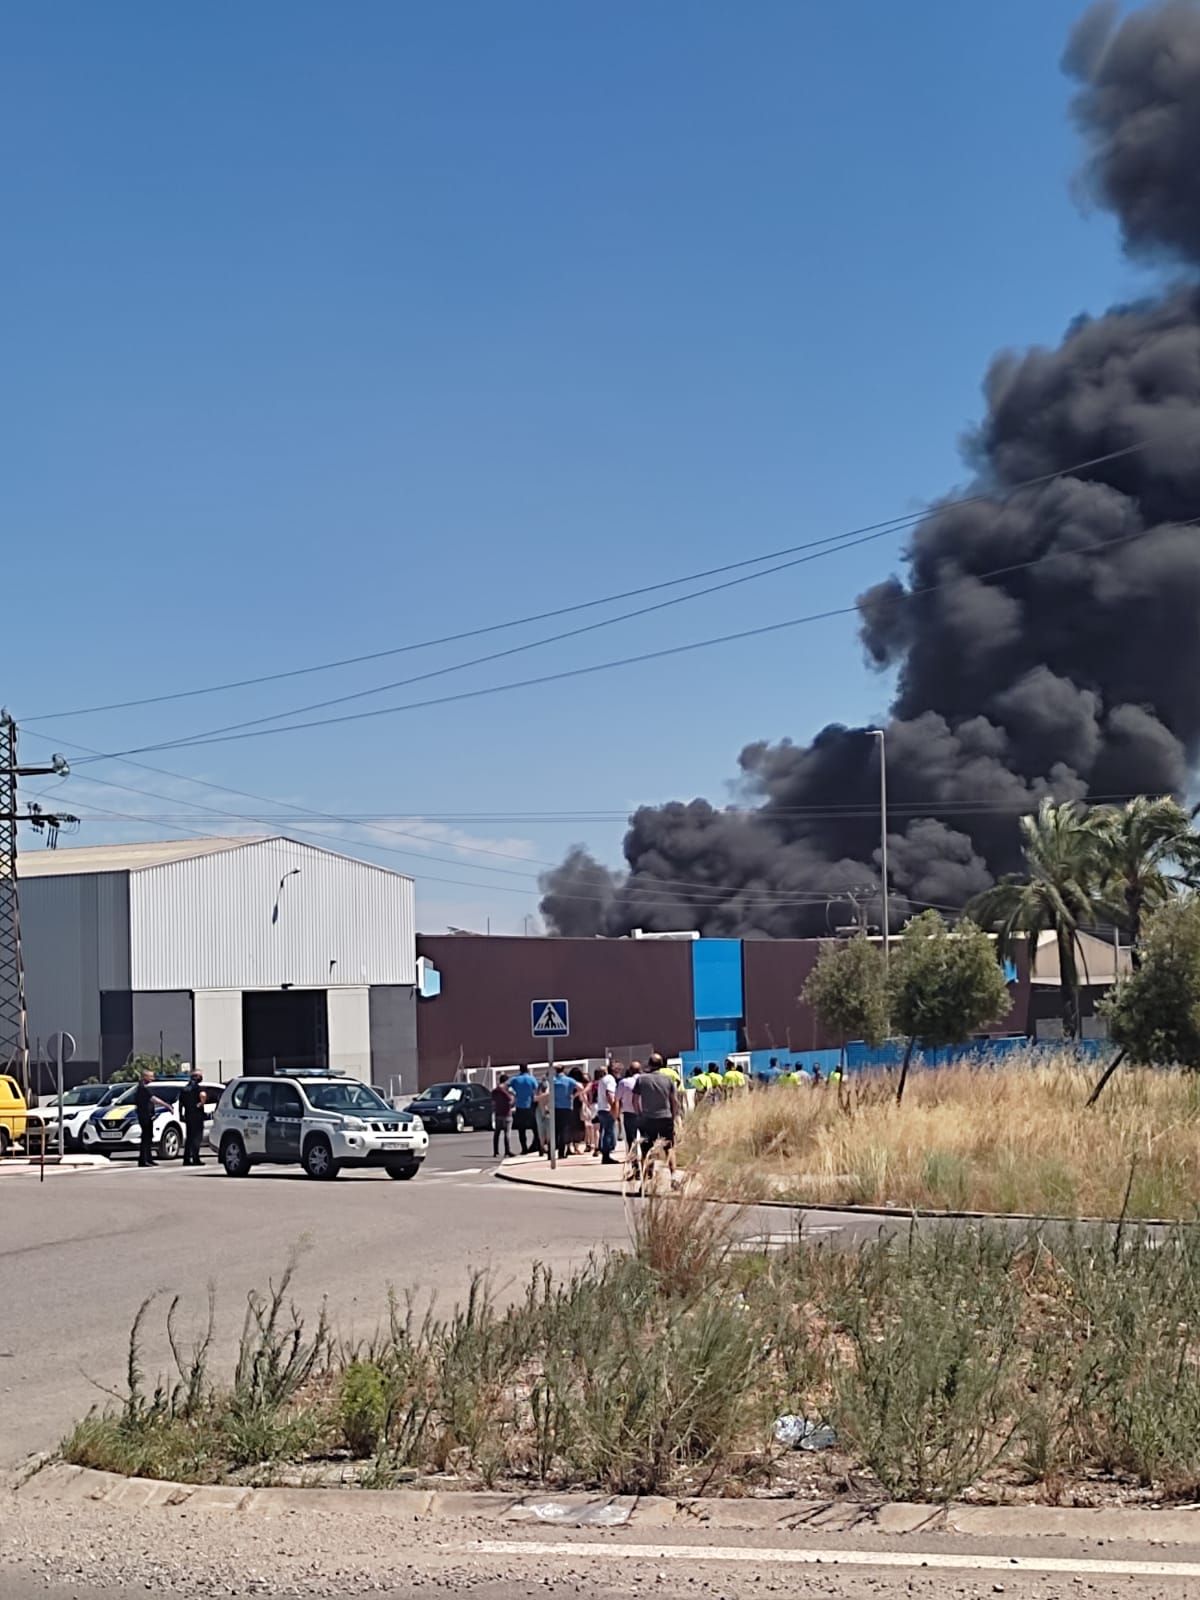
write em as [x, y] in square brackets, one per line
[681, 996]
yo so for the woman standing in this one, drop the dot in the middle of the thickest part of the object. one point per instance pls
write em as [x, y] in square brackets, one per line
[581, 1113]
[541, 1104]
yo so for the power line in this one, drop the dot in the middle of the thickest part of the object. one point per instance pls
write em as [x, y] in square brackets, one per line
[667, 897]
[519, 649]
[890, 524]
[636, 659]
[766, 813]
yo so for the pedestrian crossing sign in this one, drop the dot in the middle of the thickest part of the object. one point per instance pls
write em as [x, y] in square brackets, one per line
[550, 1019]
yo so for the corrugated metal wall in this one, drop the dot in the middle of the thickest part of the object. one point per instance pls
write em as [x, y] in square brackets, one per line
[393, 1015]
[217, 1030]
[75, 936]
[349, 1019]
[619, 989]
[223, 921]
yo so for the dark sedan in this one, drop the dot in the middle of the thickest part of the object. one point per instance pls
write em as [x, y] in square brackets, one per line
[453, 1107]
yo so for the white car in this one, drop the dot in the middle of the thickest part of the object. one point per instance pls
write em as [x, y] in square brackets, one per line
[78, 1105]
[320, 1120]
[115, 1128]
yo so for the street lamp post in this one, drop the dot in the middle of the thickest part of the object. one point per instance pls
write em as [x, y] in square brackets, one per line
[878, 733]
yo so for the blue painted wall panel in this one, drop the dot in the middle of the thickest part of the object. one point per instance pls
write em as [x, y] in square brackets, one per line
[716, 1038]
[717, 978]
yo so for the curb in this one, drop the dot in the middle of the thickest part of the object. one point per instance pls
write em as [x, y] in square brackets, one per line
[894, 1213]
[60, 1482]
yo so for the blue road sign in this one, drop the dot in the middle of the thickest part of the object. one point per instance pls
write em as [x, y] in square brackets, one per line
[550, 1019]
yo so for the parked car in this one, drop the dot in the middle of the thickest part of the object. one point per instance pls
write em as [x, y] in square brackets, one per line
[114, 1127]
[319, 1119]
[454, 1107]
[78, 1105]
[12, 1113]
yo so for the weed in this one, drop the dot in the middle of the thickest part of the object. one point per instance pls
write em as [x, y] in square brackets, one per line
[363, 1407]
[942, 1358]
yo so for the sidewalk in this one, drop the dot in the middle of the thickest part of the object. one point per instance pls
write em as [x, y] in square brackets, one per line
[579, 1174]
[19, 1167]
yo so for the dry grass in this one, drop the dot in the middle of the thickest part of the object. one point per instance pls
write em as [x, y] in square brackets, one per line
[1011, 1138]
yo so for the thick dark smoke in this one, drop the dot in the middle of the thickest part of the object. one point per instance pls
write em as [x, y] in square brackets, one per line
[1077, 676]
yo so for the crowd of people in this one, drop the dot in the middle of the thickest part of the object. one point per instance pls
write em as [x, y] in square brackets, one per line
[627, 1103]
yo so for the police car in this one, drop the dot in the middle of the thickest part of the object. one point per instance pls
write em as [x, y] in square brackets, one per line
[78, 1107]
[114, 1127]
[318, 1119]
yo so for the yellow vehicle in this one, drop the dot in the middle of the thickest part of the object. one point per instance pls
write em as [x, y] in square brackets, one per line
[12, 1113]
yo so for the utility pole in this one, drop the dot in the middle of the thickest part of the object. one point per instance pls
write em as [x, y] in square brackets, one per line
[877, 733]
[14, 1030]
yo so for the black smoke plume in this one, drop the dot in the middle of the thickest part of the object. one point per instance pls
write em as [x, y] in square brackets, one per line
[1077, 676]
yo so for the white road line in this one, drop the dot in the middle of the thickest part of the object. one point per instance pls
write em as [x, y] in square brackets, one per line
[773, 1555]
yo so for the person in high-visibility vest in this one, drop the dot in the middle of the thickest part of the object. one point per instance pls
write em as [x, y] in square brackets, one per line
[735, 1080]
[700, 1085]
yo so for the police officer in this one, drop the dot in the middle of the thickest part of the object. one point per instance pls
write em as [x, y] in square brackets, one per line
[143, 1105]
[193, 1101]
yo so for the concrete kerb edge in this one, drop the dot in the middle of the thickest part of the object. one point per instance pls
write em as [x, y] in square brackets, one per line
[891, 1213]
[54, 1480]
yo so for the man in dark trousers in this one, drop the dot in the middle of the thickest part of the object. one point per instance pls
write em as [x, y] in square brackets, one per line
[193, 1100]
[143, 1104]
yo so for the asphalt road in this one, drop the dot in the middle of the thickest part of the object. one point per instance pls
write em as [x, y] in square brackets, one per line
[368, 1546]
[80, 1252]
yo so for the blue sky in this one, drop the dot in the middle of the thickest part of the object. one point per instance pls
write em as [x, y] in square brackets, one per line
[331, 328]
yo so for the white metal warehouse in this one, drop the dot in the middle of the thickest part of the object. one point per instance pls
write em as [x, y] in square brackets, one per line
[229, 953]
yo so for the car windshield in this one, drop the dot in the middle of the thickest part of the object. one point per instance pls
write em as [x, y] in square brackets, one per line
[87, 1094]
[345, 1097]
[442, 1091]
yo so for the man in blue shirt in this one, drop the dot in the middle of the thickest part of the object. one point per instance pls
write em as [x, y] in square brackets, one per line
[565, 1090]
[524, 1088]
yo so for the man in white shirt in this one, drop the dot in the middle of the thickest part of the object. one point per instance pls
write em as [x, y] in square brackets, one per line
[604, 1091]
[626, 1102]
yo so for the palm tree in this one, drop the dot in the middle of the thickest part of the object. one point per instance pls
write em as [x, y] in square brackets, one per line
[1148, 850]
[1059, 895]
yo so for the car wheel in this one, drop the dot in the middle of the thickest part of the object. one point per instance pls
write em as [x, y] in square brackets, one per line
[318, 1160]
[233, 1157]
[402, 1172]
[460, 1124]
[170, 1144]
[5, 1142]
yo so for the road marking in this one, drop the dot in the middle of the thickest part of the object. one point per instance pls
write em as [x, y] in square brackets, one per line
[743, 1554]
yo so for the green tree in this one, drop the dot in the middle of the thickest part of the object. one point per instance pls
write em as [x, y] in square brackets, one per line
[1060, 894]
[1154, 1014]
[848, 990]
[944, 984]
[144, 1061]
[1148, 850]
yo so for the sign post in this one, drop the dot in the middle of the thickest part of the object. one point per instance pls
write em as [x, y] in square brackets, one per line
[550, 1020]
[62, 1048]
